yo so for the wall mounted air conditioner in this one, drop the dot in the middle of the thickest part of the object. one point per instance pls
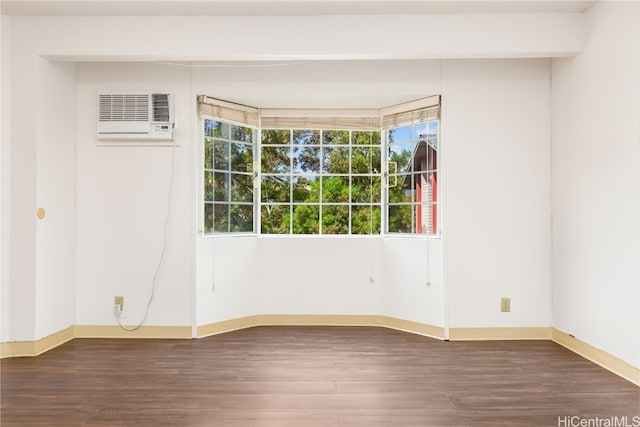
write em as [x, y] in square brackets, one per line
[143, 116]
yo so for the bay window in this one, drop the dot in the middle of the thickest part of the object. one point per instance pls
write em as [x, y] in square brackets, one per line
[351, 173]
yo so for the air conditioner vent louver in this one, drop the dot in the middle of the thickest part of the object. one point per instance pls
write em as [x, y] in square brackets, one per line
[124, 108]
[161, 111]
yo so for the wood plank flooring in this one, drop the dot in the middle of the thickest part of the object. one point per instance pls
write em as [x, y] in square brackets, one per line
[310, 376]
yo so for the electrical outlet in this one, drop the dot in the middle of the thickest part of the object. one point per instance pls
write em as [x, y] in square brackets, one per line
[505, 305]
[119, 301]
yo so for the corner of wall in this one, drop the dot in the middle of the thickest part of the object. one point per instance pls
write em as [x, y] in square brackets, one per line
[5, 137]
[597, 356]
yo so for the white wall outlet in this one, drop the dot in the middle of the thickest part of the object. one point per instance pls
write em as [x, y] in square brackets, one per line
[119, 301]
[505, 304]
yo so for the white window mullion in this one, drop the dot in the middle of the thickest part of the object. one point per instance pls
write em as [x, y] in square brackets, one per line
[229, 181]
[350, 181]
[384, 190]
[257, 181]
[290, 181]
[321, 178]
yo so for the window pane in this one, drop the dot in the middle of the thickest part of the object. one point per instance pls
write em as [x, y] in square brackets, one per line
[336, 137]
[420, 160]
[422, 130]
[208, 186]
[241, 157]
[365, 189]
[335, 160]
[306, 189]
[275, 219]
[435, 227]
[241, 188]
[306, 219]
[276, 188]
[241, 218]
[400, 218]
[276, 159]
[216, 129]
[419, 131]
[410, 186]
[403, 191]
[241, 133]
[425, 218]
[221, 155]
[432, 134]
[276, 136]
[208, 154]
[221, 218]
[424, 157]
[208, 217]
[433, 186]
[306, 159]
[335, 219]
[365, 219]
[432, 162]
[221, 187]
[399, 135]
[306, 137]
[402, 154]
[423, 187]
[365, 160]
[335, 189]
[365, 137]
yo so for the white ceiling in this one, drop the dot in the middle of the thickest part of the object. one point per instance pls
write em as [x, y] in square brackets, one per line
[282, 7]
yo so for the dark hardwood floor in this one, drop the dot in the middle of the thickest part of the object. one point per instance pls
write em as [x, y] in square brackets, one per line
[311, 376]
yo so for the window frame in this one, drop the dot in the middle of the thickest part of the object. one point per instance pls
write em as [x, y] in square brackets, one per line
[424, 110]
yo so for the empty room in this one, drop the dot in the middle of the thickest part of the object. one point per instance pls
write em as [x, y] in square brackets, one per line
[320, 213]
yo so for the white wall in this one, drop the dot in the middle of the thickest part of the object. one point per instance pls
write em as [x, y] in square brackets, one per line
[5, 119]
[22, 183]
[319, 275]
[122, 197]
[319, 84]
[228, 278]
[596, 185]
[56, 182]
[496, 219]
[413, 286]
